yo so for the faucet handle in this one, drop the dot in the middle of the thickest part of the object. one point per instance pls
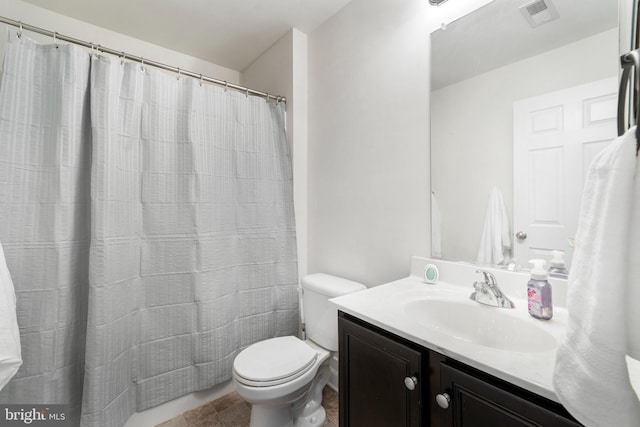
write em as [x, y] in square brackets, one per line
[489, 278]
[480, 287]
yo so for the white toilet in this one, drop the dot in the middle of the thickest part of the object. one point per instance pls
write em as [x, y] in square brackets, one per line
[283, 377]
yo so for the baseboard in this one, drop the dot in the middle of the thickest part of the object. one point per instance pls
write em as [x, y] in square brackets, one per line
[166, 411]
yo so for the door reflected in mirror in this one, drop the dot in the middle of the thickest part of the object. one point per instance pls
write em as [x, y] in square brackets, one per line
[517, 113]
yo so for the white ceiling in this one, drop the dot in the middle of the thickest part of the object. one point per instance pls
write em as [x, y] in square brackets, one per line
[231, 33]
[497, 34]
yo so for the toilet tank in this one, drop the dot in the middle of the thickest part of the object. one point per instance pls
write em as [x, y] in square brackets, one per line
[320, 316]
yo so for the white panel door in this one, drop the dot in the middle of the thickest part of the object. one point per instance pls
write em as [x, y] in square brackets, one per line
[555, 137]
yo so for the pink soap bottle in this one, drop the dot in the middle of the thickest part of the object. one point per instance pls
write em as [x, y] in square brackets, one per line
[539, 292]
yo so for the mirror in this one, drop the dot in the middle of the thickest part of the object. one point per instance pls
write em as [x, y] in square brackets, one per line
[523, 96]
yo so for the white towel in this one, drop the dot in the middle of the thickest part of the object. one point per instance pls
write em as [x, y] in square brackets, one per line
[436, 228]
[495, 244]
[633, 273]
[591, 378]
[10, 354]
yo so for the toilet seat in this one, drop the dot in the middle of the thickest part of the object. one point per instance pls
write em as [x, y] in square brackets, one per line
[274, 361]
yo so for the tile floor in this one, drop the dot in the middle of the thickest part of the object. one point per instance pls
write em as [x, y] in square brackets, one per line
[231, 411]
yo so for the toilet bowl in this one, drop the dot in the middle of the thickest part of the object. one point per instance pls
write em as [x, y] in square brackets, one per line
[283, 377]
[273, 389]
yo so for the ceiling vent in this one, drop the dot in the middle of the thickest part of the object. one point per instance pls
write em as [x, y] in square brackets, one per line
[539, 12]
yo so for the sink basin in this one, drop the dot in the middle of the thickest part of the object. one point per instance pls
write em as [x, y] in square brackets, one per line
[492, 327]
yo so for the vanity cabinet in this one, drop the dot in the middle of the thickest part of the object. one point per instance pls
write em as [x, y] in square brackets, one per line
[374, 364]
[471, 398]
[381, 377]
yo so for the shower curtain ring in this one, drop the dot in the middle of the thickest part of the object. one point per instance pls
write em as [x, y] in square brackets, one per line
[141, 64]
[226, 86]
[246, 94]
[19, 33]
[55, 39]
[178, 78]
[200, 79]
[122, 57]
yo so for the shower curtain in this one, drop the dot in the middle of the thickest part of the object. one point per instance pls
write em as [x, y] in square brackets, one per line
[147, 219]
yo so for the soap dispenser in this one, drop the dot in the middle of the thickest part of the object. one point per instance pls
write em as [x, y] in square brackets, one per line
[539, 292]
[558, 268]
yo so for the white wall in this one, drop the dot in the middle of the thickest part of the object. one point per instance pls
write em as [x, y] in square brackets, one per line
[471, 136]
[369, 140]
[282, 70]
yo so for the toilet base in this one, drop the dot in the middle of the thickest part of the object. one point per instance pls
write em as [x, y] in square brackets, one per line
[263, 416]
[309, 411]
[305, 412]
[268, 416]
[316, 419]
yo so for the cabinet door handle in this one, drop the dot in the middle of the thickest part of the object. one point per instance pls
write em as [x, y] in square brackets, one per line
[443, 400]
[411, 382]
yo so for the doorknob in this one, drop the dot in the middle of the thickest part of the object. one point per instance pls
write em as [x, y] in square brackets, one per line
[410, 382]
[443, 400]
[521, 235]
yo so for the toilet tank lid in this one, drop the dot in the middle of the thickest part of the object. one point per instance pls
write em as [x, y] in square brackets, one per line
[331, 286]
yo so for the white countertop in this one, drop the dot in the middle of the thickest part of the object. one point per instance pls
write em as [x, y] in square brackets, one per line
[386, 305]
[382, 306]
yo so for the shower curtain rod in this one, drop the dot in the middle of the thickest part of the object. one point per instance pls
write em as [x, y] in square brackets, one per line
[124, 55]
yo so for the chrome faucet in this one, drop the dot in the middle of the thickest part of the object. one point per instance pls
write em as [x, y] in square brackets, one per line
[488, 293]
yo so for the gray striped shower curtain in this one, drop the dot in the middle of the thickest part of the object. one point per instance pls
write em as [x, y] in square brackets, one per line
[148, 227]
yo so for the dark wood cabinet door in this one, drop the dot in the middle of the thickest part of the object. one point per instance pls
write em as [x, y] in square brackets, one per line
[477, 403]
[373, 369]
